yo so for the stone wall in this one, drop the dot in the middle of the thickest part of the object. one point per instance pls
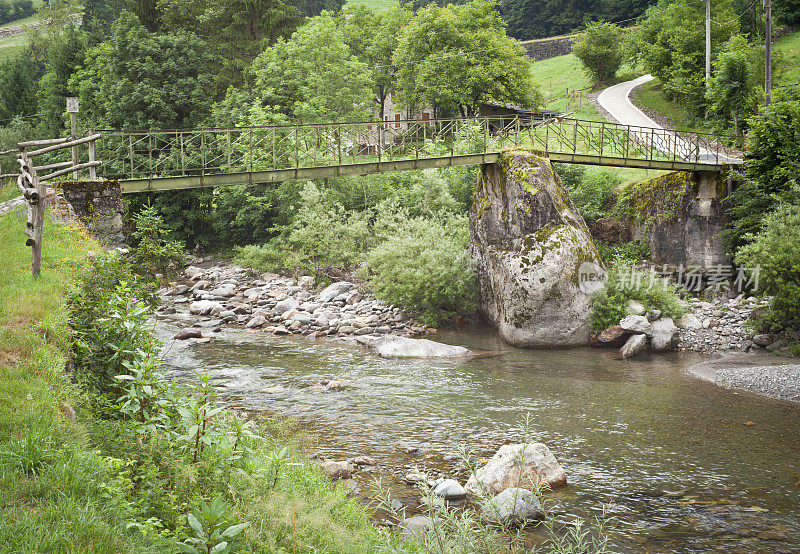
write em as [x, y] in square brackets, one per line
[681, 215]
[550, 47]
[99, 205]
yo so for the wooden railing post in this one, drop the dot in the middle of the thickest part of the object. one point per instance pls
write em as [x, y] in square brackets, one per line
[92, 169]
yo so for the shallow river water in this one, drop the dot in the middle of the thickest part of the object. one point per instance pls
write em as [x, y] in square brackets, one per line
[683, 465]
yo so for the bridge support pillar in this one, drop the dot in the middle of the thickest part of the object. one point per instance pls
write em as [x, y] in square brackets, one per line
[98, 204]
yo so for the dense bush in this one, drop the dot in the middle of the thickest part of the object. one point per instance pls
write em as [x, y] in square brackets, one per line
[624, 284]
[424, 266]
[776, 250]
[599, 49]
[105, 341]
[592, 191]
[12, 10]
[773, 166]
[154, 250]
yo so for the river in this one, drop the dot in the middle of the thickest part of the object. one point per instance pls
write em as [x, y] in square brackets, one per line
[681, 464]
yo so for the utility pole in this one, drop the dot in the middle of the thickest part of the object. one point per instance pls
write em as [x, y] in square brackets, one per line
[708, 43]
[768, 66]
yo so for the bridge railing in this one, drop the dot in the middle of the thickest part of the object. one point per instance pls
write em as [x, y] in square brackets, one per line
[170, 153]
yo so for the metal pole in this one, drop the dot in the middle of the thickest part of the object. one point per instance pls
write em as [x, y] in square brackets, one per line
[768, 66]
[708, 43]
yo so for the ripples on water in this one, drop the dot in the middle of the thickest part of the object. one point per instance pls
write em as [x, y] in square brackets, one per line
[670, 453]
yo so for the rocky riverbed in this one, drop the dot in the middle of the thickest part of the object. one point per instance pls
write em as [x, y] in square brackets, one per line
[763, 374]
[270, 303]
[722, 326]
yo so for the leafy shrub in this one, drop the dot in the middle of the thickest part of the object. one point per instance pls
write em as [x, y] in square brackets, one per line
[424, 267]
[776, 249]
[610, 304]
[592, 192]
[626, 254]
[599, 49]
[773, 166]
[155, 250]
[107, 307]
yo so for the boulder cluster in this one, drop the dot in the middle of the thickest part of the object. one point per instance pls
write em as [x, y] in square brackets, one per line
[638, 332]
[282, 305]
[504, 490]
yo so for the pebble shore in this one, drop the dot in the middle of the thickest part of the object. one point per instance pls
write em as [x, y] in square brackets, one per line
[270, 303]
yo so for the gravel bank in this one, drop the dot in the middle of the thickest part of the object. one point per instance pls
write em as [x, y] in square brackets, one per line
[762, 374]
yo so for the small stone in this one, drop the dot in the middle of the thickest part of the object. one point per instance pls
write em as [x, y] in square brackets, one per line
[635, 308]
[337, 470]
[396, 505]
[450, 489]
[635, 345]
[256, 322]
[514, 506]
[364, 461]
[188, 333]
[637, 324]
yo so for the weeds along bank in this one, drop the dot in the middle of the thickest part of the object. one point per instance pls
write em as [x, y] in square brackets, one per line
[114, 458]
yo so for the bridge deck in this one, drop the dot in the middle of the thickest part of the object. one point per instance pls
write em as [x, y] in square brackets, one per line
[185, 159]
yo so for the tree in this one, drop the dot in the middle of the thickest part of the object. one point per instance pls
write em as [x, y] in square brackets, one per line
[18, 83]
[734, 90]
[455, 57]
[772, 170]
[236, 31]
[670, 43]
[373, 38]
[311, 77]
[599, 49]
[312, 8]
[145, 80]
[65, 53]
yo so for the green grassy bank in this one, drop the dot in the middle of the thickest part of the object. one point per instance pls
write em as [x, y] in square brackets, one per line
[81, 482]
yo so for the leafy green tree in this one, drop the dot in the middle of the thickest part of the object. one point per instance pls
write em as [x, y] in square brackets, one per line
[64, 55]
[670, 43]
[735, 90]
[19, 78]
[787, 12]
[236, 31]
[99, 16]
[145, 80]
[772, 169]
[311, 77]
[373, 38]
[454, 57]
[599, 49]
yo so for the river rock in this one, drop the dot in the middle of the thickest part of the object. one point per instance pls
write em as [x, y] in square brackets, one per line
[517, 464]
[613, 337]
[333, 290]
[691, 321]
[391, 346]
[514, 506]
[337, 470]
[256, 322]
[205, 307]
[665, 335]
[193, 273]
[225, 291]
[188, 333]
[635, 345]
[364, 461]
[637, 324]
[763, 340]
[450, 489]
[415, 526]
[285, 305]
[530, 246]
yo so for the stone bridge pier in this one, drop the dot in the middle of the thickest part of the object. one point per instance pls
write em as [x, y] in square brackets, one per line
[98, 204]
[681, 215]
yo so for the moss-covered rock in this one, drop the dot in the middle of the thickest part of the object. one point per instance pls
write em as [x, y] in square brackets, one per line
[528, 242]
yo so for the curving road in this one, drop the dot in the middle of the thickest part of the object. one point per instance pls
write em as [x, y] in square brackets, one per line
[616, 101]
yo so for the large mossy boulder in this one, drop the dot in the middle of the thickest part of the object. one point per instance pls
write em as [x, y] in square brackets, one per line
[528, 242]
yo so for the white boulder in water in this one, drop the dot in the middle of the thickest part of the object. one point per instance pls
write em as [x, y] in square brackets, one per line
[518, 465]
[401, 347]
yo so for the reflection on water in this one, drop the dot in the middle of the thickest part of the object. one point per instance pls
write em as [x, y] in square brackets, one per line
[670, 454]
